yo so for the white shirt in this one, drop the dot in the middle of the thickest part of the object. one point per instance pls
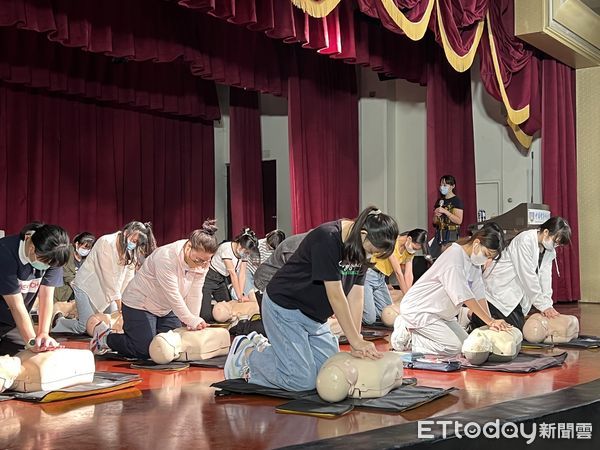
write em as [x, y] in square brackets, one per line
[225, 251]
[166, 283]
[513, 279]
[101, 276]
[441, 291]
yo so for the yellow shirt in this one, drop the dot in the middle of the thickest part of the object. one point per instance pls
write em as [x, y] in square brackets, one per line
[385, 266]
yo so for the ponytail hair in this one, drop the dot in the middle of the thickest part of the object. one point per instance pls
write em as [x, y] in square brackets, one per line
[205, 238]
[419, 236]
[559, 229]
[51, 243]
[146, 243]
[248, 241]
[382, 232]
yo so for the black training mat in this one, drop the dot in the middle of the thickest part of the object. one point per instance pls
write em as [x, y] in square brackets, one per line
[71, 337]
[103, 382]
[403, 398]
[217, 362]
[436, 366]
[151, 365]
[114, 356]
[311, 408]
[581, 342]
[378, 325]
[523, 363]
[368, 335]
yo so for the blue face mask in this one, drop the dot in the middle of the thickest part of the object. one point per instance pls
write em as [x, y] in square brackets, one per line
[39, 265]
[444, 190]
[131, 246]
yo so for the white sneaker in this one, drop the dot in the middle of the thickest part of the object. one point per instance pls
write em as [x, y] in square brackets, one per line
[401, 338]
[98, 344]
[236, 365]
[260, 342]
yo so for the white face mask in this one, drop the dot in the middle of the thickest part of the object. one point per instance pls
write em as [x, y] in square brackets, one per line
[549, 245]
[444, 190]
[83, 252]
[409, 248]
[478, 259]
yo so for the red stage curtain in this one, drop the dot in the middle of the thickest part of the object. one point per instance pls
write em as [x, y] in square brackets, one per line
[245, 162]
[89, 167]
[28, 58]
[156, 31]
[450, 143]
[559, 169]
[323, 135]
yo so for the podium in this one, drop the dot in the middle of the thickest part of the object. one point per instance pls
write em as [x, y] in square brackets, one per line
[522, 217]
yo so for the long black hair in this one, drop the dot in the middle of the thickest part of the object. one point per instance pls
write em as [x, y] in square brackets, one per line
[274, 238]
[382, 232]
[559, 229]
[418, 236]
[51, 243]
[146, 243]
[491, 236]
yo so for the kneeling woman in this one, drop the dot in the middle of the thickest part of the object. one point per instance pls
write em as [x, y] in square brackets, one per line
[324, 276]
[522, 278]
[427, 321]
[166, 292]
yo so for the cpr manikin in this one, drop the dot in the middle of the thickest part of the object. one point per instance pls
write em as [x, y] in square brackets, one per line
[389, 314]
[46, 371]
[113, 320]
[555, 330]
[484, 344]
[343, 376]
[229, 311]
[184, 345]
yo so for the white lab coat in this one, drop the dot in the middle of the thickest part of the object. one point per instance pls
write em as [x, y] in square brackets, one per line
[513, 279]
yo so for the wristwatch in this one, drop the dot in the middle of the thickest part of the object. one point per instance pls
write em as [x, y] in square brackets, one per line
[30, 344]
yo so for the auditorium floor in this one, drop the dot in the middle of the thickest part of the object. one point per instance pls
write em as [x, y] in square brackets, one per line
[178, 409]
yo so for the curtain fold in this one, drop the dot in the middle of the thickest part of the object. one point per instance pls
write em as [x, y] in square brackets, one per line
[245, 162]
[29, 59]
[323, 136]
[450, 142]
[90, 167]
[559, 169]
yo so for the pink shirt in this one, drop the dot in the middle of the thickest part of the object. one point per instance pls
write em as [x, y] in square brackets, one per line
[166, 283]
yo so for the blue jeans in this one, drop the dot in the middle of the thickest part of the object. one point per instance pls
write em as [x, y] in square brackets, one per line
[139, 328]
[85, 310]
[249, 282]
[299, 347]
[377, 296]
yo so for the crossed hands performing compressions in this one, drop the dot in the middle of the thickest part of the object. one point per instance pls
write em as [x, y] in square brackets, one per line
[499, 325]
[365, 349]
[44, 343]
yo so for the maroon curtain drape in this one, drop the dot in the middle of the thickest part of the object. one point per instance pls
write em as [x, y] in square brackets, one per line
[323, 136]
[450, 142]
[559, 169]
[245, 162]
[89, 167]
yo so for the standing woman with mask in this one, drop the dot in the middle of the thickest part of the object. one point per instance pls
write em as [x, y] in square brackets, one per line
[447, 216]
[427, 322]
[82, 245]
[110, 266]
[522, 278]
[30, 267]
[228, 265]
[324, 276]
[377, 294]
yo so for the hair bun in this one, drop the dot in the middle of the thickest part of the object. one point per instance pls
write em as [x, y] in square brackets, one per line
[210, 227]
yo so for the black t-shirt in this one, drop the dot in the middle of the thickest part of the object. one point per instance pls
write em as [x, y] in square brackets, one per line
[299, 283]
[450, 204]
[17, 277]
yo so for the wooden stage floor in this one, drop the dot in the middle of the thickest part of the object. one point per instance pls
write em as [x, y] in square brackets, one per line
[179, 410]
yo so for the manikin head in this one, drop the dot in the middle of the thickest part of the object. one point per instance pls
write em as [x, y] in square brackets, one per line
[477, 347]
[559, 329]
[165, 347]
[10, 366]
[389, 314]
[336, 381]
